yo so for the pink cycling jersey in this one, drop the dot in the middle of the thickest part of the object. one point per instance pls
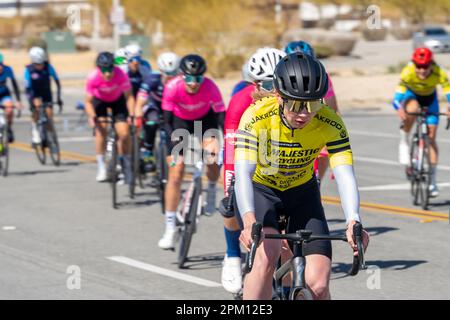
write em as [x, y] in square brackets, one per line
[191, 106]
[107, 91]
[236, 108]
[330, 92]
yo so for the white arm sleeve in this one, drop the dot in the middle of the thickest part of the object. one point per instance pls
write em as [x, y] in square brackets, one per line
[348, 191]
[243, 186]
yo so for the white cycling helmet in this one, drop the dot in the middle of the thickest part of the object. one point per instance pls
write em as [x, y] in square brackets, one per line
[168, 62]
[262, 63]
[37, 55]
[133, 51]
[245, 74]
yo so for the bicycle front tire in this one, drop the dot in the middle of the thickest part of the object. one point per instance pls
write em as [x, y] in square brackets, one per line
[301, 294]
[4, 164]
[53, 145]
[188, 228]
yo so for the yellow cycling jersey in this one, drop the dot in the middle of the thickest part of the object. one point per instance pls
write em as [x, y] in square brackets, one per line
[409, 80]
[285, 157]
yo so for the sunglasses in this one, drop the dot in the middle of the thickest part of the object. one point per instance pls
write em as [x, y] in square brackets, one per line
[193, 79]
[138, 59]
[106, 70]
[266, 85]
[298, 106]
[423, 66]
[170, 73]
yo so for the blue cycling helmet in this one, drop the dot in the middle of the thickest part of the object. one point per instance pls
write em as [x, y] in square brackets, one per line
[299, 46]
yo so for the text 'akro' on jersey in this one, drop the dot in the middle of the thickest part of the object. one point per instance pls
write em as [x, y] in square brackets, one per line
[284, 157]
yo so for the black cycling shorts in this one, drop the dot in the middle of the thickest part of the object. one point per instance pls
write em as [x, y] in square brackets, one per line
[46, 98]
[209, 121]
[119, 108]
[302, 206]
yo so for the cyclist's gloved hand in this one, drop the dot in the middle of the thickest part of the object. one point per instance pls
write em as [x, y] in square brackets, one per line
[60, 104]
[401, 114]
[246, 234]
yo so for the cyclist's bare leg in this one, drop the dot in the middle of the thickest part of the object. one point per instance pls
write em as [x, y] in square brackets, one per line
[317, 275]
[173, 187]
[123, 137]
[100, 136]
[231, 224]
[37, 103]
[210, 145]
[434, 151]
[411, 106]
[9, 111]
[323, 166]
[258, 283]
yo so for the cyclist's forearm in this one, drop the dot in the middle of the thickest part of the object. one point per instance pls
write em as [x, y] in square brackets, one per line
[220, 119]
[243, 186]
[89, 107]
[348, 191]
[16, 89]
[130, 103]
[168, 119]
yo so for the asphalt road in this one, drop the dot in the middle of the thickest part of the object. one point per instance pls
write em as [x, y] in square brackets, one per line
[57, 223]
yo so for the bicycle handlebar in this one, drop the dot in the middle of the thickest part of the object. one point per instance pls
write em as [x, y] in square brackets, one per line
[307, 236]
[426, 113]
[256, 237]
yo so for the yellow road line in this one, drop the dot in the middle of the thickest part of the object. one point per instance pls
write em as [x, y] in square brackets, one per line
[421, 214]
[64, 154]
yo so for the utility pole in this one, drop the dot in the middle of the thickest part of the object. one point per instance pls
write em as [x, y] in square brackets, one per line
[117, 18]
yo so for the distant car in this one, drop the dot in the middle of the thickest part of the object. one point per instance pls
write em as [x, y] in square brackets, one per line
[434, 38]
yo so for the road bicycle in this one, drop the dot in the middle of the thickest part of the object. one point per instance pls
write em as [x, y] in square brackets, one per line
[296, 265]
[48, 136]
[418, 171]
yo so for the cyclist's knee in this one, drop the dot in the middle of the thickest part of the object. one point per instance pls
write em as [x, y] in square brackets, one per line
[320, 290]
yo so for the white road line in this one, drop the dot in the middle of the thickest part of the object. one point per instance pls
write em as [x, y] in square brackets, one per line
[403, 186]
[384, 135]
[390, 162]
[8, 228]
[76, 139]
[164, 272]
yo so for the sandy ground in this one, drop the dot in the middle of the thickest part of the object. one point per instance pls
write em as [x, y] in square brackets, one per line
[361, 81]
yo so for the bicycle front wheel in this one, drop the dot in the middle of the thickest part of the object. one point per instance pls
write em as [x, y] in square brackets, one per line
[134, 163]
[112, 171]
[424, 190]
[301, 294]
[188, 228]
[162, 169]
[4, 151]
[53, 145]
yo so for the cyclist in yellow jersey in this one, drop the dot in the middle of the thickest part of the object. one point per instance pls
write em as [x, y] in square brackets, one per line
[277, 142]
[417, 88]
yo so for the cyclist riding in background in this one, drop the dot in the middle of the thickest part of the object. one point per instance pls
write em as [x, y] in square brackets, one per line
[321, 164]
[38, 87]
[149, 99]
[190, 100]
[278, 139]
[6, 100]
[121, 60]
[260, 68]
[109, 87]
[138, 68]
[417, 88]
[246, 81]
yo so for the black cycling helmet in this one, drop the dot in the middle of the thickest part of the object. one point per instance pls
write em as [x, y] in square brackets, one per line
[299, 76]
[193, 65]
[105, 60]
